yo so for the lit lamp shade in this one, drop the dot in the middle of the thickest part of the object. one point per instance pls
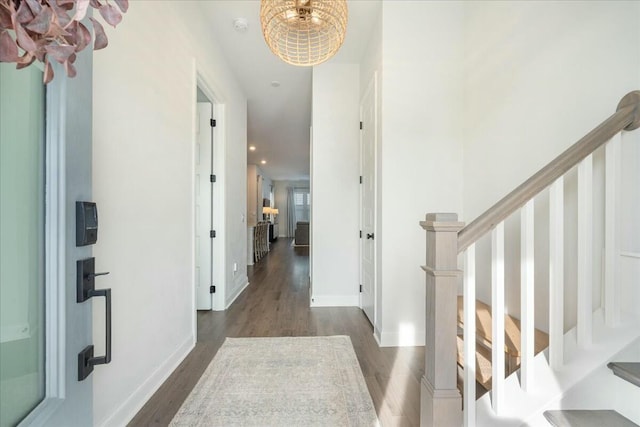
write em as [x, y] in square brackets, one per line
[274, 211]
[267, 210]
[304, 32]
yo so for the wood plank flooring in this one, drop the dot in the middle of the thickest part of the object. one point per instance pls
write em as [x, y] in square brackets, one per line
[276, 303]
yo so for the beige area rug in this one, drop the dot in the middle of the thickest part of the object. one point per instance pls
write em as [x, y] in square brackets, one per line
[289, 381]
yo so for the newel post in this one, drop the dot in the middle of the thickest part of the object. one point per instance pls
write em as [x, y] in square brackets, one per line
[440, 400]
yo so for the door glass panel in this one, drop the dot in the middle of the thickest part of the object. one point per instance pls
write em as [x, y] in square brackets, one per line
[22, 212]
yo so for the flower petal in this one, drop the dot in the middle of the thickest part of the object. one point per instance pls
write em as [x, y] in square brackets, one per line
[66, 4]
[123, 5]
[110, 14]
[5, 18]
[81, 9]
[70, 68]
[24, 13]
[34, 5]
[24, 40]
[41, 23]
[26, 60]
[101, 38]
[60, 53]
[62, 17]
[8, 48]
[48, 72]
[82, 37]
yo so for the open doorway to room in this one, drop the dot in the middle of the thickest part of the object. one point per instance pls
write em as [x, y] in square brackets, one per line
[203, 202]
[208, 201]
[276, 209]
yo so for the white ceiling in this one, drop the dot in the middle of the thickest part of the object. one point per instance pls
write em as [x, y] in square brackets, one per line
[279, 118]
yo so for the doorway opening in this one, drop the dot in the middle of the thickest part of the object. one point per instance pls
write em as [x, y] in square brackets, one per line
[368, 200]
[208, 201]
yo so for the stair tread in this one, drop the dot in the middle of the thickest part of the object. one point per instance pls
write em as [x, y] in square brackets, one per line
[587, 418]
[511, 326]
[629, 371]
[483, 363]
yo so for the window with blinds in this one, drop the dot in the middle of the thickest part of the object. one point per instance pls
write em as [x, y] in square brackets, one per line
[302, 202]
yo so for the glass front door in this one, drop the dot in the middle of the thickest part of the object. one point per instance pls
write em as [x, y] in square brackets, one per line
[22, 242]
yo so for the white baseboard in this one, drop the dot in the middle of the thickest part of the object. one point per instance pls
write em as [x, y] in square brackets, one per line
[236, 294]
[335, 301]
[401, 339]
[130, 407]
[376, 335]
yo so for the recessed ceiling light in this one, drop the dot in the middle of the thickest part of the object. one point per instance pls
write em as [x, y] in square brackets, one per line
[275, 83]
[252, 148]
[240, 24]
[264, 162]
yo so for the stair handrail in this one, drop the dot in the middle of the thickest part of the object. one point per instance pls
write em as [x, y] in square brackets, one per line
[626, 117]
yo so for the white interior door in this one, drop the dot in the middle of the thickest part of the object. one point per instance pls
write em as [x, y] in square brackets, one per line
[46, 168]
[203, 203]
[368, 200]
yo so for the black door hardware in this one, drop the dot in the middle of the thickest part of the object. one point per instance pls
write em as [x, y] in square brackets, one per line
[86, 289]
[369, 235]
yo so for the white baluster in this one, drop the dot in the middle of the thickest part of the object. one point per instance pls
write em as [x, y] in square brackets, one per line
[585, 252]
[497, 317]
[527, 298]
[556, 274]
[611, 231]
[470, 336]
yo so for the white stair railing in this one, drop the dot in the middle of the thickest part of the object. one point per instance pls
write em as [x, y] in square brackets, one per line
[438, 400]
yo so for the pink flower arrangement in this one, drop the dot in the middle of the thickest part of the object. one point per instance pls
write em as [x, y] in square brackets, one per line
[48, 30]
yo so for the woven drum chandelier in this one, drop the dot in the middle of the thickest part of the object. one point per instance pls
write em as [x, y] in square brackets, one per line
[304, 32]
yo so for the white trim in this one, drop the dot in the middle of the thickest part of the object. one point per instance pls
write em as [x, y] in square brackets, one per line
[55, 246]
[219, 194]
[613, 160]
[236, 295]
[335, 300]
[377, 336]
[143, 393]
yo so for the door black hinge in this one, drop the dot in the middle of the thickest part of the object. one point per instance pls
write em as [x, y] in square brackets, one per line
[212, 233]
[212, 289]
[360, 125]
[212, 178]
[360, 288]
[361, 234]
[360, 179]
[213, 123]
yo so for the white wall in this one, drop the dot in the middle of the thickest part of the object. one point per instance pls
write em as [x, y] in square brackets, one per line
[334, 177]
[538, 76]
[280, 202]
[421, 153]
[144, 106]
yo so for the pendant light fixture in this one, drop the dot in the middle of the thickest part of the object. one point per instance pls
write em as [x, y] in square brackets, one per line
[304, 32]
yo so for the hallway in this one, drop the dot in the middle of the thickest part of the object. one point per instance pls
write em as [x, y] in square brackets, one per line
[276, 303]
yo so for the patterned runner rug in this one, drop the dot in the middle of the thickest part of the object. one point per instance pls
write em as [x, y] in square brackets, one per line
[289, 381]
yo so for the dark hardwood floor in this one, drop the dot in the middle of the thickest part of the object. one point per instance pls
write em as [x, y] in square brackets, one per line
[276, 303]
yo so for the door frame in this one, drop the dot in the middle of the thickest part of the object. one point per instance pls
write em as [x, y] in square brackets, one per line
[372, 85]
[62, 388]
[55, 259]
[215, 95]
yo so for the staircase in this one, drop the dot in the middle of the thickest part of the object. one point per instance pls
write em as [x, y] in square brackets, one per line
[484, 341]
[535, 377]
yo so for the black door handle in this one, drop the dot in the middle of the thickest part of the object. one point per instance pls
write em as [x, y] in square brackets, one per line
[86, 359]
[86, 289]
[369, 235]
